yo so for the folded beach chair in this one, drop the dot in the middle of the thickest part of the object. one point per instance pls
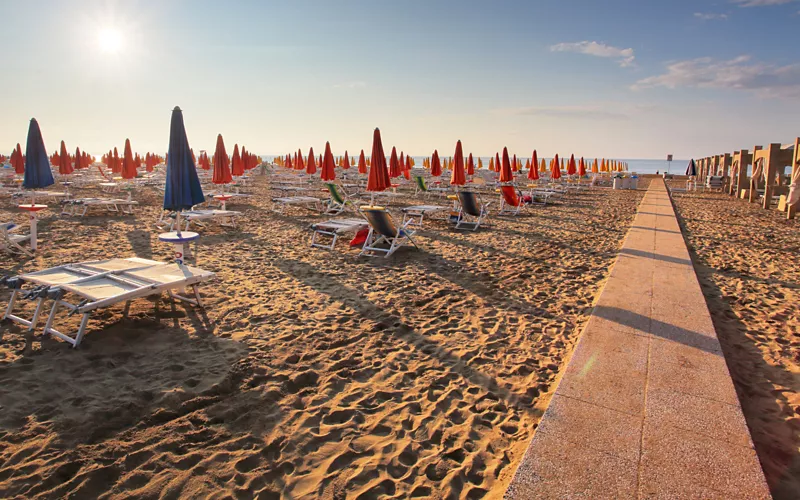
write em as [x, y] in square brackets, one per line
[472, 211]
[333, 229]
[415, 215]
[82, 205]
[309, 202]
[102, 284]
[11, 242]
[422, 186]
[383, 232]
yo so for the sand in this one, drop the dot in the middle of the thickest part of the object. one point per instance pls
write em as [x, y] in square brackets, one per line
[310, 373]
[748, 262]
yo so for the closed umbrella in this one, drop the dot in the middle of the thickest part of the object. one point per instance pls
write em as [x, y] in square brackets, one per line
[301, 165]
[182, 190]
[64, 163]
[362, 163]
[311, 165]
[378, 173]
[491, 164]
[222, 172]
[533, 173]
[237, 167]
[582, 168]
[328, 165]
[129, 167]
[470, 165]
[346, 161]
[407, 169]
[556, 171]
[37, 165]
[394, 164]
[458, 176]
[436, 164]
[595, 169]
[18, 161]
[571, 168]
[505, 171]
[691, 169]
[514, 166]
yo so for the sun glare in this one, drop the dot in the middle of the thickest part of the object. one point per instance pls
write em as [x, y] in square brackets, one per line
[109, 40]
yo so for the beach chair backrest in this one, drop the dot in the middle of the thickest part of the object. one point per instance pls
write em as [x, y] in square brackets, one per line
[335, 194]
[510, 195]
[469, 203]
[381, 221]
[420, 183]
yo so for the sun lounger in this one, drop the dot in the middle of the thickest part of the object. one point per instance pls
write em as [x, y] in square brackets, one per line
[511, 201]
[415, 215]
[382, 232]
[102, 284]
[12, 242]
[422, 186]
[309, 202]
[472, 211]
[224, 217]
[333, 229]
[338, 201]
[82, 205]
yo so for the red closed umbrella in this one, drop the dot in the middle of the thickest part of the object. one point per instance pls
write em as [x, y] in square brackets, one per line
[117, 162]
[237, 167]
[514, 166]
[582, 168]
[470, 165]
[362, 163]
[328, 165]
[18, 161]
[311, 166]
[378, 173]
[571, 168]
[394, 165]
[64, 163]
[298, 157]
[407, 169]
[222, 172]
[533, 171]
[457, 176]
[289, 161]
[128, 165]
[436, 164]
[346, 161]
[505, 171]
[556, 171]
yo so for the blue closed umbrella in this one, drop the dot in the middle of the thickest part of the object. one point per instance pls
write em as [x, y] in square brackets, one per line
[691, 169]
[37, 165]
[183, 190]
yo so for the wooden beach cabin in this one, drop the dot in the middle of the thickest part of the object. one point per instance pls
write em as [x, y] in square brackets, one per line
[775, 180]
[741, 161]
[792, 210]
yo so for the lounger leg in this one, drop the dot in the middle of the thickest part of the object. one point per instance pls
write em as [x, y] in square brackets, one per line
[49, 324]
[11, 302]
[35, 318]
[196, 291]
[81, 330]
[127, 309]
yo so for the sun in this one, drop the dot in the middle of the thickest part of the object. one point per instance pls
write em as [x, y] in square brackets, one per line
[109, 40]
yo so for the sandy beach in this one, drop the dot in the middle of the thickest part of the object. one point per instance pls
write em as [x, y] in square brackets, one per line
[310, 373]
[748, 262]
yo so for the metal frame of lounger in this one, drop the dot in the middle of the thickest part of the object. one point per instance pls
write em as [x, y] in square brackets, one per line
[338, 201]
[382, 229]
[304, 201]
[55, 276]
[333, 229]
[11, 243]
[70, 207]
[415, 215]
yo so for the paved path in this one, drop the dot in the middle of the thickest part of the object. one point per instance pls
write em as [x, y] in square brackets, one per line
[646, 407]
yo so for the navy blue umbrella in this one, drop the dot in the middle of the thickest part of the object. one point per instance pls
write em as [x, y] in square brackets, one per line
[183, 189]
[37, 165]
[691, 169]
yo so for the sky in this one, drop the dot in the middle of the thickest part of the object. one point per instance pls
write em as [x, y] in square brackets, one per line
[611, 78]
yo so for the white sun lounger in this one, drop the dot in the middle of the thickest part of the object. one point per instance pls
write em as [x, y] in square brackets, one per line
[333, 228]
[11, 242]
[415, 215]
[81, 205]
[225, 217]
[103, 284]
[305, 201]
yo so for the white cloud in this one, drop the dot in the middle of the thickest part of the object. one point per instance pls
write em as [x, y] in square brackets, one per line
[763, 79]
[624, 57]
[591, 112]
[710, 16]
[350, 85]
[760, 3]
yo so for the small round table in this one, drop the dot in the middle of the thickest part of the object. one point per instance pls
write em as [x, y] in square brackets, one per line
[32, 210]
[181, 240]
[223, 198]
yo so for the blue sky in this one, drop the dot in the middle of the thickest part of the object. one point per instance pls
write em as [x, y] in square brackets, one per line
[617, 78]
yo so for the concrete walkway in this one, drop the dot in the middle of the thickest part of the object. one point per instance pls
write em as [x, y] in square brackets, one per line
[646, 407]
